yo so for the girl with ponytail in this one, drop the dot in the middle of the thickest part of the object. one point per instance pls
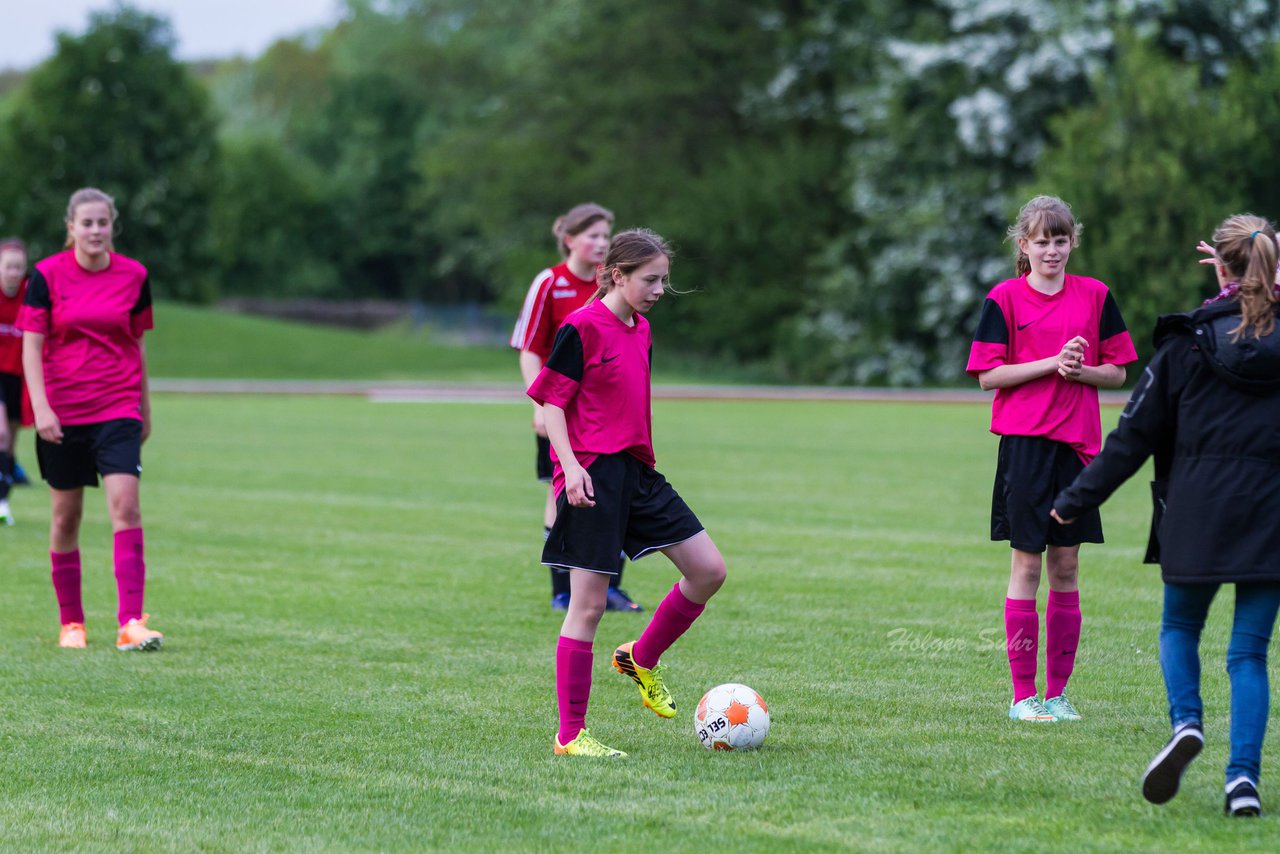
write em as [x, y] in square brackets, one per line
[1046, 342]
[1207, 409]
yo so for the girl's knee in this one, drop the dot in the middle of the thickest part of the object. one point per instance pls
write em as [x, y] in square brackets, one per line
[712, 574]
[1246, 651]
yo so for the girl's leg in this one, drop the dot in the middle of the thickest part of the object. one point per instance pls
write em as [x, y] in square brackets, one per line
[1022, 623]
[1062, 618]
[1185, 608]
[126, 522]
[1255, 617]
[703, 572]
[559, 576]
[573, 651]
[7, 477]
[64, 552]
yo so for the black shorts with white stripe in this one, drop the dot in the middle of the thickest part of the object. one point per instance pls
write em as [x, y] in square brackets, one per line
[636, 512]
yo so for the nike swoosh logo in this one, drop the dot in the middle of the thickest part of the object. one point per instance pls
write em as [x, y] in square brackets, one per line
[608, 359]
[1022, 326]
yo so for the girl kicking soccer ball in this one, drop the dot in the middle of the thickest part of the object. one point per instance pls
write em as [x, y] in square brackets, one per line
[1046, 342]
[595, 395]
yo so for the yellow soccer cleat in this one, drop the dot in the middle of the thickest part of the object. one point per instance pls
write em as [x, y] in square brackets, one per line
[653, 691]
[72, 636]
[586, 745]
[134, 635]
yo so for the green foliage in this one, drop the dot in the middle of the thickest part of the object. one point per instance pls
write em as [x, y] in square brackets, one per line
[1144, 166]
[272, 228]
[1158, 161]
[113, 109]
[600, 101]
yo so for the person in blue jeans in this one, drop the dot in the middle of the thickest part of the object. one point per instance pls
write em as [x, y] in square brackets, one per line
[1206, 409]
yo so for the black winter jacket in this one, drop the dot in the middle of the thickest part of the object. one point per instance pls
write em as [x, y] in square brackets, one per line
[1208, 411]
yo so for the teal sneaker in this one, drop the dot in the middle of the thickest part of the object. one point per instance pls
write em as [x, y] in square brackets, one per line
[1031, 710]
[1061, 709]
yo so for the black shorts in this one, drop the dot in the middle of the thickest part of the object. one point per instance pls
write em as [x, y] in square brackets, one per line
[636, 512]
[11, 396]
[1030, 472]
[88, 450]
[543, 461]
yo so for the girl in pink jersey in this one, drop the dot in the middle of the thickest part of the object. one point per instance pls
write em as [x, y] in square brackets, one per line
[1046, 342]
[83, 319]
[582, 237]
[595, 395]
[13, 287]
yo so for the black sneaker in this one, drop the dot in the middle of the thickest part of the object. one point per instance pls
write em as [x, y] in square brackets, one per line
[1160, 783]
[1242, 799]
[618, 600]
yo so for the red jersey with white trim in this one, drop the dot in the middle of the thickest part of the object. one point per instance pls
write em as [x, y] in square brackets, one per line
[554, 295]
[93, 323]
[1020, 324]
[598, 373]
[10, 334]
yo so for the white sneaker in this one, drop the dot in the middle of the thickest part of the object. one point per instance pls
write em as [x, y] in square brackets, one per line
[6, 515]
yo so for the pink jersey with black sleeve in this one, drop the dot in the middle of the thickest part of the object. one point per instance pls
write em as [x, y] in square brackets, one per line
[1020, 324]
[598, 373]
[93, 323]
[554, 295]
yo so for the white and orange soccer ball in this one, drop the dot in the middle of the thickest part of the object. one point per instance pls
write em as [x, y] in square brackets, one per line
[731, 717]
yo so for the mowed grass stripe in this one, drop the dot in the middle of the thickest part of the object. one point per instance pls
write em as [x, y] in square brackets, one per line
[359, 650]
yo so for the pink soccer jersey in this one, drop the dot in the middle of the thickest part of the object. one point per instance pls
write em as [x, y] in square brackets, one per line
[93, 323]
[598, 373]
[554, 295]
[1020, 324]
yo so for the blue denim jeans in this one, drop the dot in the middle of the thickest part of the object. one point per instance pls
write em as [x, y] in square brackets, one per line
[1185, 609]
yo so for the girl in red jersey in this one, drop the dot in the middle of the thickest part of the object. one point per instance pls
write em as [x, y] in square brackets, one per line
[1046, 342]
[595, 395]
[582, 236]
[13, 287]
[85, 312]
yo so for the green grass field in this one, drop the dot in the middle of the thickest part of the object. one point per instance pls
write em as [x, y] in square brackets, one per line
[359, 650]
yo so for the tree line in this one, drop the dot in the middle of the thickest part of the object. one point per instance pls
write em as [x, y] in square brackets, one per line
[836, 175]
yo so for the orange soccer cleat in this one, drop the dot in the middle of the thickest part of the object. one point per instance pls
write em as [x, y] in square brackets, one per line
[72, 636]
[134, 635]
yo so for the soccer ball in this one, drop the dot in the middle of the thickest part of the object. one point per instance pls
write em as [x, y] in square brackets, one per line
[731, 717]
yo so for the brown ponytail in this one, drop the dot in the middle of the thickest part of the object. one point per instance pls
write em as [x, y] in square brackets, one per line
[1246, 249]
[628, 252]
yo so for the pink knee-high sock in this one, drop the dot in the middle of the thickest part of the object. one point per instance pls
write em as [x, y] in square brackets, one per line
[1022, 636]
[573, 686]
[672, 618]
[1061, 636]
[66, 585]
[131, 574]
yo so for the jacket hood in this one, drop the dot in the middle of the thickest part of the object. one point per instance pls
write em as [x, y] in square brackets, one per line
[1248, 363]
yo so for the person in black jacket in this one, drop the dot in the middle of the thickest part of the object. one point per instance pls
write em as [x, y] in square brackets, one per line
[1207, 408]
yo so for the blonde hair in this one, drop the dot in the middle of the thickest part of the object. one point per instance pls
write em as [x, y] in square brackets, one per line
[1246, 249]
[629, 251]
[1044, 215]
[577, 220]
[84, 196]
